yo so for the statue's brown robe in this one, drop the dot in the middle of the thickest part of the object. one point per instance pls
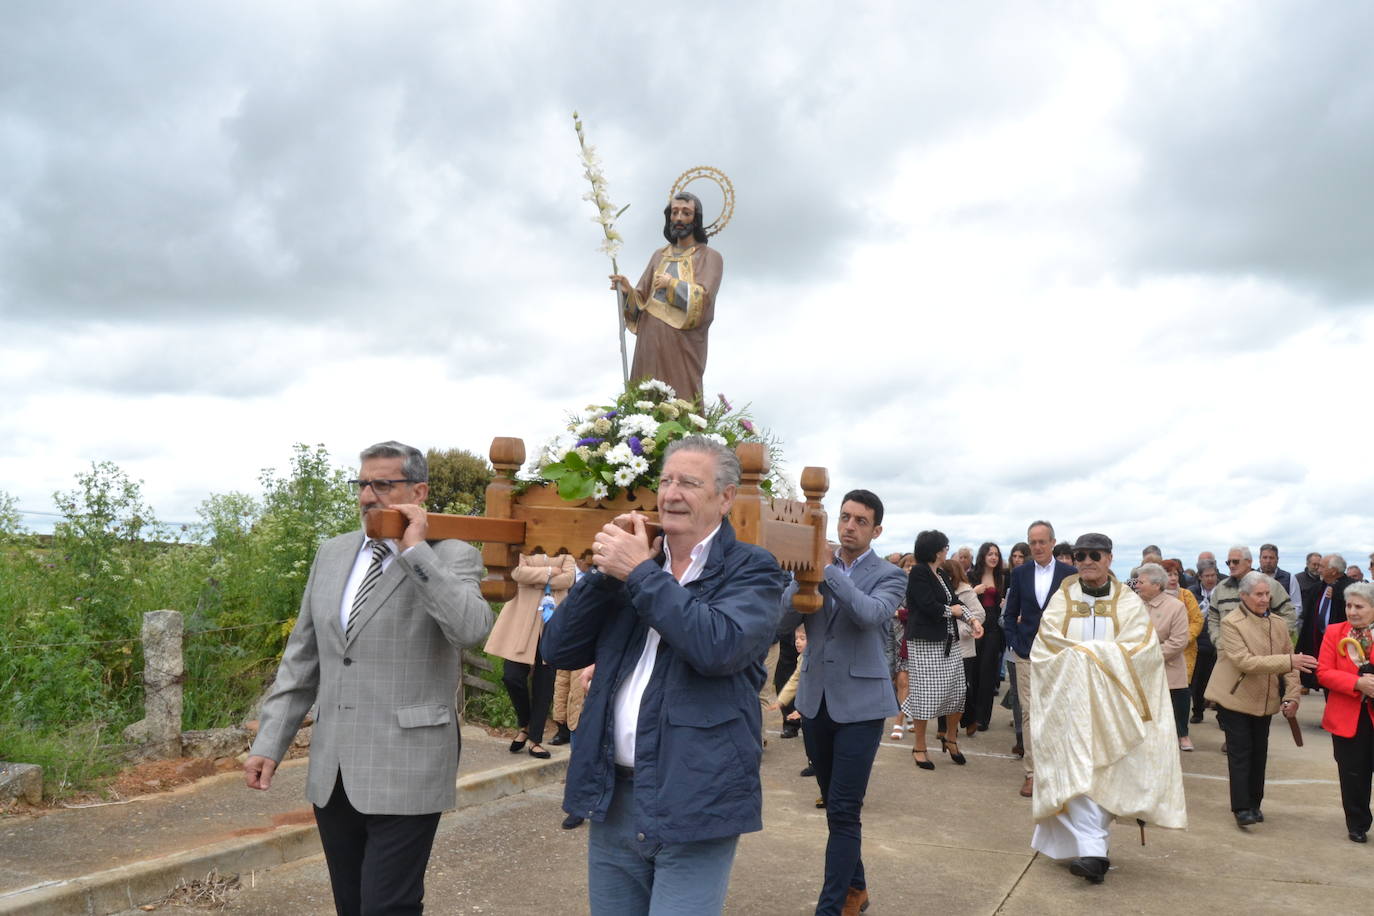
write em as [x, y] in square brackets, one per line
[672, 324]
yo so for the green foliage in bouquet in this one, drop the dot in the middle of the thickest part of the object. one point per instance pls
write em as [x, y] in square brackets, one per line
[610, 448]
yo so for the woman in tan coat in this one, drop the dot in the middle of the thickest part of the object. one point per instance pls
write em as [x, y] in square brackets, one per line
[1170, 619]
[515, 638]
[1255, 651]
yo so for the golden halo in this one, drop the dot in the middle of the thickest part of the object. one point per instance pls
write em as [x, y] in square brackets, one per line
[727, 193]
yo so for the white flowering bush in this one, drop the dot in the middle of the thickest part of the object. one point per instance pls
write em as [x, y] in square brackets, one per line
[610, 448]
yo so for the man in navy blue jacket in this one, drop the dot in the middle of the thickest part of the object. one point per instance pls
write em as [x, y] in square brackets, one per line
[666, 761]
[1029, 590]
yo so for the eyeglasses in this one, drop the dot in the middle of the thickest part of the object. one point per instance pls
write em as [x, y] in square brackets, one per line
[1080, 555]
[380, 487]
[1234, 562]
[682, 483]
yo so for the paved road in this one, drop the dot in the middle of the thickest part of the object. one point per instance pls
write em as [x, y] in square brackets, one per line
[953, 840]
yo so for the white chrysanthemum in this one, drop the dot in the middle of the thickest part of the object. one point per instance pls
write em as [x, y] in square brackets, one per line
[639, 464]
[602, 449]
[638, 424]
[644, 405]
[663, 388]
[582, 430]
[620, 454]
[624, 477]
[584, 453]
[715, 437]
[600, 491]
[601, 426]
[669, 411]
[698, 422]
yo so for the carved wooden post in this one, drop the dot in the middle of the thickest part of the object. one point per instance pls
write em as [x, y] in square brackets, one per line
[507, 455]
[815, 482]
[747, 513]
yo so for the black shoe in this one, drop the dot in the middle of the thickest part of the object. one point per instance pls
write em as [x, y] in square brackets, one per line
[518, 746]
[1246, 817]
[922, 764]
[1094, 868]
[790, 729]
[571, 822]
[809, 771]
[541, 753]
[1259, 815]
[1195, 718]
[562, 736]
[1358, 836]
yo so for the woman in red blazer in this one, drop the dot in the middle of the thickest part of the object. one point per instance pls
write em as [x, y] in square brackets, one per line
[1349, 715]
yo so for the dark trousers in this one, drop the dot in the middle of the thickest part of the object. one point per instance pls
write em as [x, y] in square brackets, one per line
[376, 861]
[985, 678]
[1181, 696]
[1202, 673]
[1355, 765]
[531, 693]
[842, 753]
[1247, 752]
[787, 664]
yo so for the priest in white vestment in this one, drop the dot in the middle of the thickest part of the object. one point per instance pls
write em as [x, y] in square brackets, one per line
[1103, 729]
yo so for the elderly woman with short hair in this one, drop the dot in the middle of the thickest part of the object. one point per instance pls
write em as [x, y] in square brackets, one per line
[1344, 670]
[1255, 647]
[1170, 619]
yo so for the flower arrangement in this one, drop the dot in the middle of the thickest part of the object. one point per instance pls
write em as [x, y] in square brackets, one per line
[610, 448]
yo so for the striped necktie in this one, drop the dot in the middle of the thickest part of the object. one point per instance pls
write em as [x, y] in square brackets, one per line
[380, 549]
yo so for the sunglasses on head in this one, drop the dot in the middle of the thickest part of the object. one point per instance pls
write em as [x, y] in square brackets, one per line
[1080, 555]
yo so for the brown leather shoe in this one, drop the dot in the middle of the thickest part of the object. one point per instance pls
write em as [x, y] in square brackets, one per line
[855, 902]
[1028, 787]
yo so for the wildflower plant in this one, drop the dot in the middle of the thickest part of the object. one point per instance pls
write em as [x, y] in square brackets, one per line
[612, 448]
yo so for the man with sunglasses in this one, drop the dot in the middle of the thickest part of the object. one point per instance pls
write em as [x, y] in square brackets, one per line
[377, 645]
[1226, 596]
[1105, 742]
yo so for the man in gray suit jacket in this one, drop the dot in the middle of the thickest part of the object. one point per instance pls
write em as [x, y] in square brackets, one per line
[845, 689]
[377, 645]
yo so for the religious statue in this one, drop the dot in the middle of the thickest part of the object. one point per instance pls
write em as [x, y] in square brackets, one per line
[671, 309]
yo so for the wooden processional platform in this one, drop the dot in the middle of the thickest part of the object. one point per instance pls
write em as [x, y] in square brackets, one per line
[794, 531]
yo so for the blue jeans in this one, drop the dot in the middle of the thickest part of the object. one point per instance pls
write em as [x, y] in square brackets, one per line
[627, 877]
[842, 753]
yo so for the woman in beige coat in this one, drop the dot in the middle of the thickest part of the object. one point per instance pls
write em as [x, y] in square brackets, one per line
[1170, 619]
[515, 638]
[1255, 652]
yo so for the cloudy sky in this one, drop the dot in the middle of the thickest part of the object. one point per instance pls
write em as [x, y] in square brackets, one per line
[1103, 263]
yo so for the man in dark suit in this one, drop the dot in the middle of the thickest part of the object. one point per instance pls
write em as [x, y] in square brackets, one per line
[1328, 607]
[377, 645]
[845, 690]
[1028, 591]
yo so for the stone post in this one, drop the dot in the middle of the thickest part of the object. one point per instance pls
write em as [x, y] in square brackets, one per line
[162, 680]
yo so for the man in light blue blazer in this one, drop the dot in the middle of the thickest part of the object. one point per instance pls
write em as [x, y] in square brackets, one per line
[845, 689]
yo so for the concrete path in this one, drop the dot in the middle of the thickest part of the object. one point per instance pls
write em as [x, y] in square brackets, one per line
[954, 840]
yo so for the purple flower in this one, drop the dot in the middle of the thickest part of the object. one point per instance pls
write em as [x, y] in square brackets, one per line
[725, 402]
[634, 444]
[589, 441]
[748, 427]
[608, 414]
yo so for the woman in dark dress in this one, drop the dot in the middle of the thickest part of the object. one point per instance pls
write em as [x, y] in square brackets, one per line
[990, 585]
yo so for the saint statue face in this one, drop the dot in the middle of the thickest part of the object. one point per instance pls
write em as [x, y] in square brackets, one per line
[681, 215]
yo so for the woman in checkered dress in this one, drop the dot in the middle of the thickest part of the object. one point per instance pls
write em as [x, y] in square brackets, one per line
[935, 668]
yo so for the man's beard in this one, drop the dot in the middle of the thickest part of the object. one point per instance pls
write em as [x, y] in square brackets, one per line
[680, 231]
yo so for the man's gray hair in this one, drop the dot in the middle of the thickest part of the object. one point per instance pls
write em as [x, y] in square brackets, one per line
[727, 462]
[1243, 551]
[1037, 523]
[1334, 561]
[1206, 565]
[415, 468]
[1363, 590]
[1252, 580]
[1264, 547]
[1152, 572]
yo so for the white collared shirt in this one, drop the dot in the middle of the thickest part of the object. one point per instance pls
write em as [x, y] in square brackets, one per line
[1044, 578]
[631, 692]
[360, 565]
